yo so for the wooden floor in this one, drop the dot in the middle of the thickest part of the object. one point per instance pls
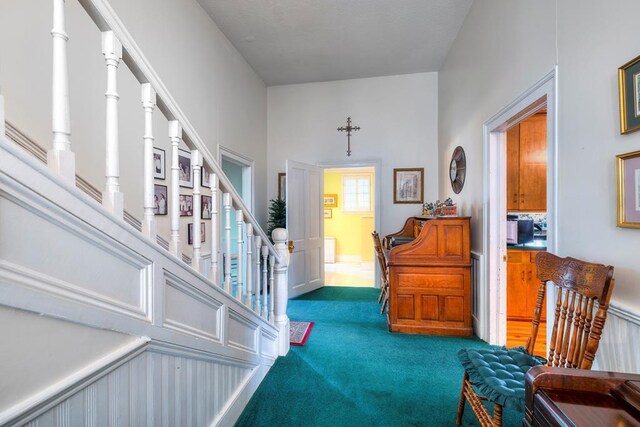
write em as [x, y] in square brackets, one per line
[518, 331]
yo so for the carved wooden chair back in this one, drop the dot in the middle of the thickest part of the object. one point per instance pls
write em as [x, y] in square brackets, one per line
[384, 271]
[382, 260]
[581, 288]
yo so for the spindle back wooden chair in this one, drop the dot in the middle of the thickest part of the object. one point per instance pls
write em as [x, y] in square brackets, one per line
[384, 272]
[580, 288]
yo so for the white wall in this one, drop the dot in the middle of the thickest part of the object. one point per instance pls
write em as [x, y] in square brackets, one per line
[398, 119]
[221, 95]
[504, 61]
[589, 137]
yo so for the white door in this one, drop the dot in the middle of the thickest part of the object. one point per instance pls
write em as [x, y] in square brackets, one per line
[305, 223]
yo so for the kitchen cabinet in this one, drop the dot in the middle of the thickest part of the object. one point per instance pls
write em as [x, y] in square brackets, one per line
[522, 285]
[527, 165]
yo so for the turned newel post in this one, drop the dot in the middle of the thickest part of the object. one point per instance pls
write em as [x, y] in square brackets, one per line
[60, 158]
[175, 134]
[196, 167]
[112, 198]
[280, 291]
[149, 219]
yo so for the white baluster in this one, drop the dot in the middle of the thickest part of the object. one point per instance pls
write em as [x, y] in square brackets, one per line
[226, 203]
[175, 134]
[249, 298]
[241, 290]
[272, 261]
[215, 224]
[279, 294]
[60, 158]
[265, 262]
[148, 104]
[256, 289]
[196, 166]
[112, 198]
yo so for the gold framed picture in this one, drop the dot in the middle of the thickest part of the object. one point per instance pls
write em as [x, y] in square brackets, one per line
[330, 200]
[328, 213]
[629, 91]
[408, 185]
[629, 190]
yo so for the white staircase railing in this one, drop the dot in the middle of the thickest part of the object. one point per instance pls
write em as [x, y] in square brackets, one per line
[133, 281]
[118, 46]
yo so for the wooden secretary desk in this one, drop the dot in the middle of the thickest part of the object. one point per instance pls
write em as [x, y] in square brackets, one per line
[430, 277]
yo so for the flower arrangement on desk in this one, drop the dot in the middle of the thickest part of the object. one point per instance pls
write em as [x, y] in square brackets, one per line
[438, 208]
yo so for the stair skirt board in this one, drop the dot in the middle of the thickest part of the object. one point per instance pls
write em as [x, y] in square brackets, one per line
[155, 384]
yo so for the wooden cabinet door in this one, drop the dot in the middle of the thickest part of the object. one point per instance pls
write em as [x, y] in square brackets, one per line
[517, 289]
[513, 168]
[533, 164]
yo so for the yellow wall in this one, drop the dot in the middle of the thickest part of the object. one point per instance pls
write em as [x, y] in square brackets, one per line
[351, 230]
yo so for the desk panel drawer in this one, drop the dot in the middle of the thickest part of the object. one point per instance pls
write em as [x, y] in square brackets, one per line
[431, 281]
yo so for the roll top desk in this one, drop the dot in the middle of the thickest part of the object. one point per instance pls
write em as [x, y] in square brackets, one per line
[430, 277]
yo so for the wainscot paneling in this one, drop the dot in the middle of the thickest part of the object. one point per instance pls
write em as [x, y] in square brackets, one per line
[191, 311]
[206, 351]
[242, 333]
[620, 342]
[157, 387]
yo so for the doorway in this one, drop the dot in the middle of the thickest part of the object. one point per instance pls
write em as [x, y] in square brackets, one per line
[349, 220]
[492, 289]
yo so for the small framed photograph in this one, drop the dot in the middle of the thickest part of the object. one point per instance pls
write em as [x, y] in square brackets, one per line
[408, 185]
[186, 205]
[206, 207]
[185, 174]
[328, 213]
[330, 200]
[282, 185]
[160, 199]
[159, 163]
[205, 177]
[629, 94]
[190, 233]
[629, 190]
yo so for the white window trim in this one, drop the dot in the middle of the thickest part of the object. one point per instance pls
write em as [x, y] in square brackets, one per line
[356, 176]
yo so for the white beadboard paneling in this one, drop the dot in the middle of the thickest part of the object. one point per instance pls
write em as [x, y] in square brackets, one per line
[173, 395]
[109, 282]
[618, 350]
[242, 333]
[191, 311]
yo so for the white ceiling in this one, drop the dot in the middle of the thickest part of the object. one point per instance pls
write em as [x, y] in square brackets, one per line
[297, 41]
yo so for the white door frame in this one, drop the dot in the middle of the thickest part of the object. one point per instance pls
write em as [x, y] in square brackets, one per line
[377, 205]
[492, 288]
[248, 167]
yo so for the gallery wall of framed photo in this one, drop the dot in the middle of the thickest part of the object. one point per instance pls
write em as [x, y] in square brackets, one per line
[162, 196]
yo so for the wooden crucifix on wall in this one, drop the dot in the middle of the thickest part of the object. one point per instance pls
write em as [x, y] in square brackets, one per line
[348, 129]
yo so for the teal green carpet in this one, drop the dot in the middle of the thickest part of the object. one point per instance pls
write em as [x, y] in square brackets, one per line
[353, 372]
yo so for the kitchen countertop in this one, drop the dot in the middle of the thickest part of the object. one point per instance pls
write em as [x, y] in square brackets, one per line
[536, 245]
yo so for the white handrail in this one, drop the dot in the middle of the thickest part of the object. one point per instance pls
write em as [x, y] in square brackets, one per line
[106, 19]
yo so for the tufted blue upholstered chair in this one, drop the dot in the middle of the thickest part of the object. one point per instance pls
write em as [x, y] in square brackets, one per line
[496, 374]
